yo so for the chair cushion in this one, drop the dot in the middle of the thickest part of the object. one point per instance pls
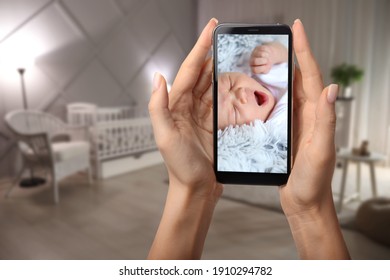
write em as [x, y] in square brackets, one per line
[67, 150]
[373, 219]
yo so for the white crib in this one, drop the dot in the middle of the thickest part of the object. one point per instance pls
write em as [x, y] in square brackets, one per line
[118, 139]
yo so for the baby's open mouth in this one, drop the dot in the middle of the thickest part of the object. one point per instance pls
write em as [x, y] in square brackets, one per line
[261, 98]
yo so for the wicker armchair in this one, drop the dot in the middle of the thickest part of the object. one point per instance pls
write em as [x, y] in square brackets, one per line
[38, 134]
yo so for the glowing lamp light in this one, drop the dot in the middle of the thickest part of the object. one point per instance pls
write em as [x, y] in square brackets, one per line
[17, 58]
[19, 52]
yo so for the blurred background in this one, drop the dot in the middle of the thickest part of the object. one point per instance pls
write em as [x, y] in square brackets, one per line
[97, 191]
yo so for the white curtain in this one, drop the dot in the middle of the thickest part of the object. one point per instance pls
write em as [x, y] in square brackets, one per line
[351, 31]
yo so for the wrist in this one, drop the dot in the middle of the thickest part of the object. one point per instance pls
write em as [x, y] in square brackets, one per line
[317, 233]
[206, 192]
[189, 204]
[308, 215]
[184, 201]
[185, 222]
[313, 220]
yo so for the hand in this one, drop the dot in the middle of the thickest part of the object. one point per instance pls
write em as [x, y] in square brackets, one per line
[314, 128]
[183, 129]
[263, 57]
[182, 121]
[307, 198]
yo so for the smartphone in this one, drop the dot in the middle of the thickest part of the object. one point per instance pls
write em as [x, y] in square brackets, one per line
[252, 103]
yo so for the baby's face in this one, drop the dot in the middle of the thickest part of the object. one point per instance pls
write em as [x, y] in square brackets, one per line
[242, 100]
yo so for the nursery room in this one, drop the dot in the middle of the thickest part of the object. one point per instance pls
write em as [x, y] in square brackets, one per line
[81, 176]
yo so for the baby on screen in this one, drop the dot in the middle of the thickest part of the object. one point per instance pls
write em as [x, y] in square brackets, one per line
[243, 99]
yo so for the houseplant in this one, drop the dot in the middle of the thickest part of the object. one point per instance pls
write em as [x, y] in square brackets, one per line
[344, 75]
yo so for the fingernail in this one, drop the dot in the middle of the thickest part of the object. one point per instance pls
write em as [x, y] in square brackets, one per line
[297, 20]
[156, 81]
[215, 20]
[332, 93]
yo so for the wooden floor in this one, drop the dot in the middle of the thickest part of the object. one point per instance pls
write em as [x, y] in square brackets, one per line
[117, 219]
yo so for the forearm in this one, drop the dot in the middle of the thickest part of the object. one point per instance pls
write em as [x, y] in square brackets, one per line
[183, 227]
[317, 234]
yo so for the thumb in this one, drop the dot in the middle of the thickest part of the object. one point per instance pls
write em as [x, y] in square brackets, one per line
[325, 124]
[158, 110]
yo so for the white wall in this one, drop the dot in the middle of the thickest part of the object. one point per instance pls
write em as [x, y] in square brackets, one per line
[99, 51]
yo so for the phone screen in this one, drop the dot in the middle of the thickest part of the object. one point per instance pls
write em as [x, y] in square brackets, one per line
[252, 103]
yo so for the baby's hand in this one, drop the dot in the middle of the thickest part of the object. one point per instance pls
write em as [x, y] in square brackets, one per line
[265, 56]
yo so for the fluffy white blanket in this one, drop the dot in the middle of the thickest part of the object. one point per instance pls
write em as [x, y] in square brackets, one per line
[252, 148]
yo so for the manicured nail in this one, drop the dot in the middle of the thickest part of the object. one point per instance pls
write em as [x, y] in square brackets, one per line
[332, 93]
[156, 81]
[297, 20]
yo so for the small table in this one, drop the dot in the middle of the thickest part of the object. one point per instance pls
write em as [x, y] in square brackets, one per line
[346, 156]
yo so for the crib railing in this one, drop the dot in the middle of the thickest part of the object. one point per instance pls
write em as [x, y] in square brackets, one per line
[123, 137]
[90, 114]
[115, 133]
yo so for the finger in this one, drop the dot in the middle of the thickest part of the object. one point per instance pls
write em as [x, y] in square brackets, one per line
[258, 61]
[189, 71]
[264, 69]
[303, 124]
[260, 52]
[325, 123]
[311, 74]
[158, 110]
[298, 94]
[204, 80]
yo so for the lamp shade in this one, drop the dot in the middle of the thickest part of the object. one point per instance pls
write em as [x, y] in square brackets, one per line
[19, 52]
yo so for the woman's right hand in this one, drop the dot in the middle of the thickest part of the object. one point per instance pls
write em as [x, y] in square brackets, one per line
[182, 122]
[183, 129]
